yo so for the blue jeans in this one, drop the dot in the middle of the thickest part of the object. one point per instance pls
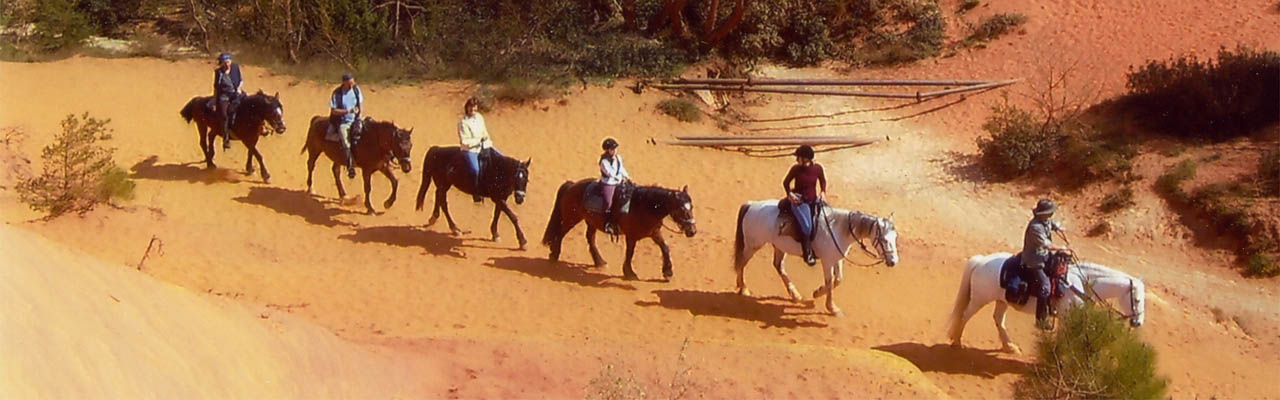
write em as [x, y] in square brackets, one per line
[473, 160]
[1039, 285]
[804, 218]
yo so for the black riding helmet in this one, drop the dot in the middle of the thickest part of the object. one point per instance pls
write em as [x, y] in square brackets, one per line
[805, 152]
[609, 143]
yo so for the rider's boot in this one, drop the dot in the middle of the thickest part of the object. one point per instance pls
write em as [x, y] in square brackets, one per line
[226, 134]
[806, 247]
[351, 162]
[1042, 314]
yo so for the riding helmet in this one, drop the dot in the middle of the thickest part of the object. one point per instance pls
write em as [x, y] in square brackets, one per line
[609, 143]
[1045, 207]
[224, 56]
[804, 151]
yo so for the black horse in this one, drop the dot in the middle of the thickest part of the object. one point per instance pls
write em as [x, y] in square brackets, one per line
[252, 117]
[649, 206]
[382, 142]
[503, 176]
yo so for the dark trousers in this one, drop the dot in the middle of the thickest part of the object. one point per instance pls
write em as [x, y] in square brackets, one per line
[1039, 285]
[224, 106]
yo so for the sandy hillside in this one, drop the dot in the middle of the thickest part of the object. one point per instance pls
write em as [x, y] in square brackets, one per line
[503, 323]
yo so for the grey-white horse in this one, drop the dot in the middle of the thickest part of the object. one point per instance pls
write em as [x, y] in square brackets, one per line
[835, 232]
[980, 285]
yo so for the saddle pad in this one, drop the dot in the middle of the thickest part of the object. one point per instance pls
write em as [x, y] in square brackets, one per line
[331, 134]
[593, 200]
[1011, 281]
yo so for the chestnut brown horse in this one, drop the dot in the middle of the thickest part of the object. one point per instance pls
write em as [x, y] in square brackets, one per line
[252, 117]
[649, 206]
[503, 176]
[380, 142]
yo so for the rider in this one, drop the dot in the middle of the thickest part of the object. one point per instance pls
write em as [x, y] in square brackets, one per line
[612, 174]
[805, 196]
[1037, 246]
[226, 92]
[345, 106]
[474, 137]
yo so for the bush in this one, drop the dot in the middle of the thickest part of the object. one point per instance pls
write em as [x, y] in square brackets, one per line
[681, 109]
[59, 23]
[1262, 265]
[1092, 355]
[1117, 200]
[1171, 182]
[995, 26]
[1216, 100]
[78, 171]
[1269, 172]
[1089, 155]
[519, 91]
[1017, 143]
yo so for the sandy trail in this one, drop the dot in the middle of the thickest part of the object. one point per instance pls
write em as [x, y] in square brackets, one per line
[505, 323]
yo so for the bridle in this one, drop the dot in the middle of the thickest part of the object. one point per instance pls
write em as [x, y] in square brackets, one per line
[1093, 296]
[877, 232]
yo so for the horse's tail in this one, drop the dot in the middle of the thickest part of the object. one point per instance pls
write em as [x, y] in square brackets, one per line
[963, 296]
[738, 239]
[188, 111]
[553, 233]
[428, 165]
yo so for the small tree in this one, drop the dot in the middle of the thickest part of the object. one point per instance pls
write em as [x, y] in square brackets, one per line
[78, 170]
[1092, 356]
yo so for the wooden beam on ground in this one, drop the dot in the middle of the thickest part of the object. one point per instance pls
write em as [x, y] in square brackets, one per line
[988, 85]
[826, 82]
[757, 137]
[915, 96]
[772, 142]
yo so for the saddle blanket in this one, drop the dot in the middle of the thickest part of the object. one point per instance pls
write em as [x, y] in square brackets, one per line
[593, 200]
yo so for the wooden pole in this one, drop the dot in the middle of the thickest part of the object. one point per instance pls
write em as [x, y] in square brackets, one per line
[771, 142]
[825, 82]
[791, 91]
[988, 85]
[760, 137]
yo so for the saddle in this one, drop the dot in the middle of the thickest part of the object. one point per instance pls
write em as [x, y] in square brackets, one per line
[787, 221]
[1015, 278]
[212, 104]
[357, 128]
[593, 198]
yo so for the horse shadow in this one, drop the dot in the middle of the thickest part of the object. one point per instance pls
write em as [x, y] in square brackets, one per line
[191, 172]
[407, 236]
[772, 312]
[294, 202]
[577, 274]
[949, 360]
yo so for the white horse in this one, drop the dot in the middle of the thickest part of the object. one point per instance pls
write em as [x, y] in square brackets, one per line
[835, 231]
[980, 285]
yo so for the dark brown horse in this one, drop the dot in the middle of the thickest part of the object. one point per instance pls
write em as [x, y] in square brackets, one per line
[649, 206]
[503, 177]
[380, 142]
[252, 117]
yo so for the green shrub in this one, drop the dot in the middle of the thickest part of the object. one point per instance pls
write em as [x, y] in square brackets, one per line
[1171, 182]
[681, 109]
[59, 23]
[78, 171]
[1216, 100]
[1090, 155]
[519, 92]
[1093, 356]
[1117, 200]
[1269, 172]
[1262, 265]
[1017, 144]
[995, 26]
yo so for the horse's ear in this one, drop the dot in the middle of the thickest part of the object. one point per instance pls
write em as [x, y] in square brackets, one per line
[260, 91]
[685, 189]
[891, 215]
[277, 96]
[527, 162]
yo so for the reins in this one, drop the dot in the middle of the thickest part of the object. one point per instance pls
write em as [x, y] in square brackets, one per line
[852, 232]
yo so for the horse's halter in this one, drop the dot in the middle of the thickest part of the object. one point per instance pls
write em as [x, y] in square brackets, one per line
[687, 223]
[398, 137]
[1093, 296]
[877, 232]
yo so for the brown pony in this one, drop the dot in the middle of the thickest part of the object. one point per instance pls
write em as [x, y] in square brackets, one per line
[503, 176]
[252, 117]
[379, 143]
[649, 206]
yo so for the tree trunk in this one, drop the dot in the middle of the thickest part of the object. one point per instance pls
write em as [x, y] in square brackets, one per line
[709, 25]
[735, 19]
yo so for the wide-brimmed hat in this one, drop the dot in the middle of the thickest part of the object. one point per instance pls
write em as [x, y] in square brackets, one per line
[1045, 207]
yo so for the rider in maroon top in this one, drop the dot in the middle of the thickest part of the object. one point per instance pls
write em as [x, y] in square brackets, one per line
[805, 196]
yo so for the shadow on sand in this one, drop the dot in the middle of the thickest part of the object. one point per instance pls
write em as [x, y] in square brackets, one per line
[769, 311]
[408, 236]
[946, 359]
[577, 274]
[294, 202]
[192, 172]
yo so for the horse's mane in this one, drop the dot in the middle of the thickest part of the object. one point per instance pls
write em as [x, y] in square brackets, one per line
[651, 192]
[1095, 269]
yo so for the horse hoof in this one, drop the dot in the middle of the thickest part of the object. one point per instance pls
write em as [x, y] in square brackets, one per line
[522, 247]
[497, 238]
[744, 292]
[630, 277]
[388, 203]
[835, 311]
[1012, 349]
[370, 212]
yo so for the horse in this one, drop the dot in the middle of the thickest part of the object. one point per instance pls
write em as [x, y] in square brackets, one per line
[503, 176]
[649, 206]
[980, 284]
[380, 143]
[252, 116]
[836, 229]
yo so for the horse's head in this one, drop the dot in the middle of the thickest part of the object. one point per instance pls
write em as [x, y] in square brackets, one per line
[402, 147]
[681, 206]
[1137, 303]
[273, 111]
[886, 240]
[521, 179]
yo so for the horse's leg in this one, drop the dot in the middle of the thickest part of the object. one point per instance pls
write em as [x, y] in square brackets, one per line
[596, 259]
[204, 148]
[368, 186]
[395, 186]
[443, 202]
[567, 222]
[1006, 343]
[627, 272]
[515, 222]
[975, 304]
[828, 275]
[337, 180]
[442, 189]
[778, 257]
[740, 265]
[667, 271]
[311, 166]
[253, 153]
[493, 226]
[248, 162]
